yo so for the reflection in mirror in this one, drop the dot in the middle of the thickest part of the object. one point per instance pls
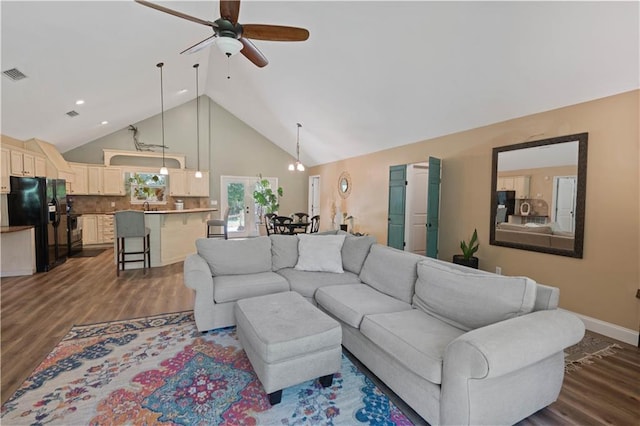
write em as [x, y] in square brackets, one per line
[538, 195]
[344, 184]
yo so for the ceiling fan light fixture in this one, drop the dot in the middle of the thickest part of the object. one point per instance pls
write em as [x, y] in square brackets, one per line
[229, 46]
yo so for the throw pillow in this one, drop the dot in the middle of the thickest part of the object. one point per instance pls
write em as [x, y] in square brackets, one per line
[284, 251]
[235, 257]
[320, 253]
[355, 251]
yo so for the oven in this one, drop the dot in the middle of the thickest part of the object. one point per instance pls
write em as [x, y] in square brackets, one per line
[74, 233]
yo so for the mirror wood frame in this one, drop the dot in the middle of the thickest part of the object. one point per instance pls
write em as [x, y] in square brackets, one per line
[581, 189]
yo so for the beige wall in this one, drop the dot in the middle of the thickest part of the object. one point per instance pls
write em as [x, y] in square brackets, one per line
[602, 284]
[228, 146]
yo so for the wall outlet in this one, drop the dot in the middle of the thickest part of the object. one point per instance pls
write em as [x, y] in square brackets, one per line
[498, 270]
[214, 202]
[113, 204]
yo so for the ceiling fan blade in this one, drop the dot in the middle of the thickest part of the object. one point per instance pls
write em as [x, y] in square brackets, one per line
[274, 32]
[200, 45]
[229, 10]
[176, 13]
[251, 52]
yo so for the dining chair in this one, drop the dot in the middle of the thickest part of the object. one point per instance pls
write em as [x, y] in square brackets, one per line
[219, 223]
[315, 224]
[281, 225]
[130, 224]
[301, 217]
[268, 223]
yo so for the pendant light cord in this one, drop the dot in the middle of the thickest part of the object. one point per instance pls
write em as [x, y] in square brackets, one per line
[298, 143]
[197, 118]
[160, 65]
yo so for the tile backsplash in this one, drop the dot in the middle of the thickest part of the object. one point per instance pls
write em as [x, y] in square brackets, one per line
[102, 204]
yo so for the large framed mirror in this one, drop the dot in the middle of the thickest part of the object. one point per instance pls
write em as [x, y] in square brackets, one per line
[538, 192]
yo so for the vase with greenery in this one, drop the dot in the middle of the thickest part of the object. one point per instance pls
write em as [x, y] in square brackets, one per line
[266, 198]
[467, 257]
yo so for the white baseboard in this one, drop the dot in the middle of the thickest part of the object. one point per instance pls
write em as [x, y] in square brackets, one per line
[614, 331]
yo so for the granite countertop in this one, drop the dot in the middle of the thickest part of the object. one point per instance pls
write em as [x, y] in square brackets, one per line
[7, 229]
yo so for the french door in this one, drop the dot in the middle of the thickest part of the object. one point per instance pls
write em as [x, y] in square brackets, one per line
[236, 192]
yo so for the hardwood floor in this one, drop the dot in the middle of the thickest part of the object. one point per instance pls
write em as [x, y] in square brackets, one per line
[37, 311]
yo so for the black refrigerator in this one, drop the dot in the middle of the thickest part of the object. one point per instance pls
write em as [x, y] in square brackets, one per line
[41, 202]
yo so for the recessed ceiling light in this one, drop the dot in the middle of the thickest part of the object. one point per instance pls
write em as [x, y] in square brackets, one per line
[104, 122]
[180, 92]
[79, 102]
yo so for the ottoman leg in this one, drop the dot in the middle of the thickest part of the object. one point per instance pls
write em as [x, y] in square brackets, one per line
[275, 397]
[326, 381]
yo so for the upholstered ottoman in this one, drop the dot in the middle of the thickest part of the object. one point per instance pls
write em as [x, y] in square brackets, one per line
[288, 341]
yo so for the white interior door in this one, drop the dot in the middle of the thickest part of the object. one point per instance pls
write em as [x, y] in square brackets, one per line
[564, 202]
[314, 195]
[236, 192]
[416, 208]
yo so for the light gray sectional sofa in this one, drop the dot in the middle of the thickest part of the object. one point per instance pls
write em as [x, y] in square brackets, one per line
[459, 346]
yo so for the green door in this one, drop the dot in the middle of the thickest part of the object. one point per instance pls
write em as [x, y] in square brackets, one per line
[397, 191]
[433, 206]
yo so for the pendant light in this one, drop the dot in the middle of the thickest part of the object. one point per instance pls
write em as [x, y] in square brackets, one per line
[163, 169]
[297, 165]
[198, 173]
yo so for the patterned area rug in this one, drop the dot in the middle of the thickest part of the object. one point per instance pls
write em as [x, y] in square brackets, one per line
[590, 348]
[160, 370]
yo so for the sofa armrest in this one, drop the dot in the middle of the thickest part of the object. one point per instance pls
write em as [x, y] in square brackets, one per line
[511, 345]
[197, 274]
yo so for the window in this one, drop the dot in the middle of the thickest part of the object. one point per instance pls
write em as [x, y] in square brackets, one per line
[147, 187]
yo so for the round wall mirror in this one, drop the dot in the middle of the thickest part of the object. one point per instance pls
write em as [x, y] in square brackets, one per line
[344, 185]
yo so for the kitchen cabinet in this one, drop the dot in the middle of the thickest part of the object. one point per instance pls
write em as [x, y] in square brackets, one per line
[89, 229]
[22, 163]
[183, 183]
[80, 184]
[95, 178]
[5, 158]
[113, 181]
[40, 167]
[97, 229]
[520, 184]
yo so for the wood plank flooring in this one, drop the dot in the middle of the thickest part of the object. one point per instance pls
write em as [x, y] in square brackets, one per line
[37, 311]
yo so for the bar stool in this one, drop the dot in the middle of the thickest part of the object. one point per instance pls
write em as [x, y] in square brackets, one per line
[221, 223]
[130, 224]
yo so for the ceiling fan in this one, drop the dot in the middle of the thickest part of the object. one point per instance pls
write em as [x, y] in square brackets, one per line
[231, 36]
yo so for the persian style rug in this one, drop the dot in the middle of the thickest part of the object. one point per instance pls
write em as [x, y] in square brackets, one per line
[160, 370]
[586, 351]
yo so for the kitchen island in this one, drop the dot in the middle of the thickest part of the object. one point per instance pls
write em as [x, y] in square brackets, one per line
[18, 250]
[173, 235]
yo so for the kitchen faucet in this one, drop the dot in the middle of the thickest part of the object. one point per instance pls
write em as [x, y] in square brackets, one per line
[145, 206]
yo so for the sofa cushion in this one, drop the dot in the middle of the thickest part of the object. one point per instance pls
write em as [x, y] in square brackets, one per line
[284, 251]
[470, 299]
[415, 339]
[355, 251]
[234, 257]
[320, 253]
[391, 271]
[351, 302]
[306, 283]
[229, 288]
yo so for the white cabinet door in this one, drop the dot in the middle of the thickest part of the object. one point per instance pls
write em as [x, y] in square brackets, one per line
[28, 164]
[17, 167]
[197, 187]
[177, 183]
[113, 181]
[521, 186]
[89, 229]
[5, 157]
[80, 184]
[95, 184]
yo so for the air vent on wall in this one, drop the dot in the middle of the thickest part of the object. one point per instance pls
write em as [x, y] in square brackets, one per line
[14, 74]
[73, 113]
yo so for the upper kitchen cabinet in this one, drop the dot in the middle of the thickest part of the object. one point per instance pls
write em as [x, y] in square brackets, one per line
[519, 184]
[95, 178]
[113, 181]
[5, 157]
[80, 184]
[183, 183]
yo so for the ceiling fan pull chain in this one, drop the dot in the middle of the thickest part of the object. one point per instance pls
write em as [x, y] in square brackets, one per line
[228, 68]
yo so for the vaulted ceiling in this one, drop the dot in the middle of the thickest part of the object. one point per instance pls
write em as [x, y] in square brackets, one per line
[372, 75]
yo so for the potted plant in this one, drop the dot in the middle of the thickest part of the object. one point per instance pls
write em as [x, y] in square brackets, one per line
[266, 198]
[467, 257]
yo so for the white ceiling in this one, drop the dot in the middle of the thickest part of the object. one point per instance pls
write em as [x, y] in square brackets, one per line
[372, 75]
